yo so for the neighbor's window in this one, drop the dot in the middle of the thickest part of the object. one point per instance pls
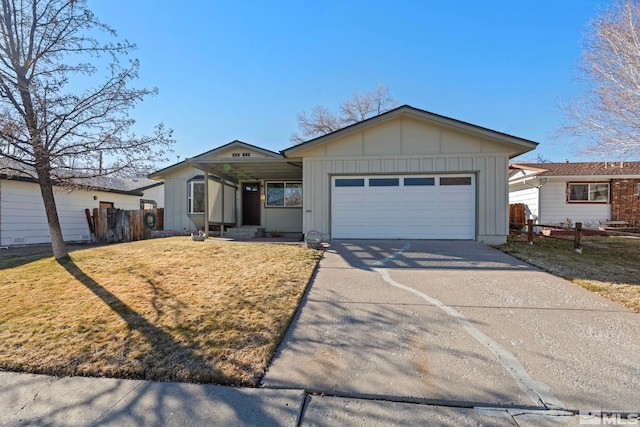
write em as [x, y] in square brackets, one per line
[148, 204]
[588, 193]
[196, 197]
[284, 194]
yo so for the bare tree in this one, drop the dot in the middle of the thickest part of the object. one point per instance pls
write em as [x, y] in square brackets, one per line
[359, 107]
[62, 121]
[607, 118]
[538, 159]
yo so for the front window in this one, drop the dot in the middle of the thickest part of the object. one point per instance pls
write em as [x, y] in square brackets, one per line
[588, 193]
[196, 197]
[284, 194]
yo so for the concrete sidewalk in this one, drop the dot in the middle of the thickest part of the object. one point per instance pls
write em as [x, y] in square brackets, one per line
[37, 400]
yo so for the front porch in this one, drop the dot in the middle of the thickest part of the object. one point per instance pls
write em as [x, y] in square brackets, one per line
[254, 194]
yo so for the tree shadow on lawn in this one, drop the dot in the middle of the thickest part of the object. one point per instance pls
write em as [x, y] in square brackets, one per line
[15, 256]
[169, 359]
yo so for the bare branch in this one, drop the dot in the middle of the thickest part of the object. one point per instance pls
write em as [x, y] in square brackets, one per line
[359, 107]
[51, 133]
[606, 119]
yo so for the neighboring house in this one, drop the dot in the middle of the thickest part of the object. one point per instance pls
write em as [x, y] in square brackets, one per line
[580, 192]
[406, 173]
[23, 219]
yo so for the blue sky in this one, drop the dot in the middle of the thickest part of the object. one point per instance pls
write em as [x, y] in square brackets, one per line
[243, 70]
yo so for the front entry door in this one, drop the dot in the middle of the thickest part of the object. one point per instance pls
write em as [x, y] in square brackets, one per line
[251, 203]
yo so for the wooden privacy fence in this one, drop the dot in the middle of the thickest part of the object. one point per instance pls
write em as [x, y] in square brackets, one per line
[517, 213]
[118, 225]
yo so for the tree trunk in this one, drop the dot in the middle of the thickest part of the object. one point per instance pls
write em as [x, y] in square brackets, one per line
[57, 242]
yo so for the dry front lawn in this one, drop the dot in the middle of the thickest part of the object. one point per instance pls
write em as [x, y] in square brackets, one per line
[167, 309]
[609, 266]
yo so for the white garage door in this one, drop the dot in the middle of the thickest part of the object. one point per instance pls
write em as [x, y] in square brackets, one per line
[405, 207]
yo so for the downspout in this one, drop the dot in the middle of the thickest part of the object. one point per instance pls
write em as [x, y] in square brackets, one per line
[538, 187]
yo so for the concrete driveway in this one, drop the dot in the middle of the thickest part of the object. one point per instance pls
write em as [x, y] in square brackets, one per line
[457, 323]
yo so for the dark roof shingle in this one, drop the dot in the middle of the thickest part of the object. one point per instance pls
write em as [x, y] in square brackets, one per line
[582, 168]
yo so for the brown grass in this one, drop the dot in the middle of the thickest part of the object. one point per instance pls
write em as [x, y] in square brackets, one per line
[609, 266]
[167, 309]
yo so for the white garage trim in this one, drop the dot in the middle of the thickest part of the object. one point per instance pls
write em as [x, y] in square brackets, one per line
[403, 206]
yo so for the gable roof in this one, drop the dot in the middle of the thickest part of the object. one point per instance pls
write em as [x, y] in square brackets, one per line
[524, 145]
[581, 168]
[235, 143]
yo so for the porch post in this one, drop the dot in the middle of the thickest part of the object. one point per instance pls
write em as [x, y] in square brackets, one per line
[206, 204]
[222, 216]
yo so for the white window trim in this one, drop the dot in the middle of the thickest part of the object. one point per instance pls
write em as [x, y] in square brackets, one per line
[266, 189]
[190, 196]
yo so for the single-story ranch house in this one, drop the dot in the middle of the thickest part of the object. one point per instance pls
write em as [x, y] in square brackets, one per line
[23, 219]
[589, 192]
[406, 173]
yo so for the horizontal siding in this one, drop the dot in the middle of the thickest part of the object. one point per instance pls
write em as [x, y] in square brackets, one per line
[528, 196]
[23, 219]
[555, 209]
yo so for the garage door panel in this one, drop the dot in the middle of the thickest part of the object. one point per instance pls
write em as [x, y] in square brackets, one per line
[384, 207]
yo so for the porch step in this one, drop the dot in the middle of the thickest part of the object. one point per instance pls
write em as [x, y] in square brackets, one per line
[244, 232]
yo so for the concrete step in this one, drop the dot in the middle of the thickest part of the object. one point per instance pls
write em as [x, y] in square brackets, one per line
[244, 232]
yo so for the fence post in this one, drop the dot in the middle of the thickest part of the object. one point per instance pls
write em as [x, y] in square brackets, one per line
[577, 241]
[530, 231]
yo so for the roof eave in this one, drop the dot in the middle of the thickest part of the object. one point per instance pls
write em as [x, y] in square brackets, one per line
[591, 176]
[525, 144]
[162, 172]
[135, 192]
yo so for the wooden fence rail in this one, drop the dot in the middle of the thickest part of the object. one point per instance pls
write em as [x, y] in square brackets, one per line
[577, 233]
[118, 225]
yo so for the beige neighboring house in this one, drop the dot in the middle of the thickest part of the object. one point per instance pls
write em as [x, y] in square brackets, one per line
[23, 220]
[587, 192]
[406, 173]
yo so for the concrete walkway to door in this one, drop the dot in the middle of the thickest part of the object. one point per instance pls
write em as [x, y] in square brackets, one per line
[457, 322]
